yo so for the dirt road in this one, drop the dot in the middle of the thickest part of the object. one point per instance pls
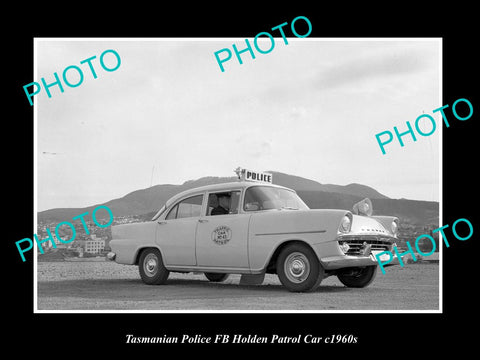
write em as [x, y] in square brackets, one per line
[110, 286]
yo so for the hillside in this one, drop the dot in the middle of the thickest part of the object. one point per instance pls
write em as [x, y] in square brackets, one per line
[301, 184]
[408, 211]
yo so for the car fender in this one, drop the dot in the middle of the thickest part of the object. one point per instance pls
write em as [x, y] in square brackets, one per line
[129, 239]
[268, 230]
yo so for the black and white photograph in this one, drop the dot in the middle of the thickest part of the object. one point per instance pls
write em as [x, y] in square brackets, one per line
[154, 132]
[238, 179]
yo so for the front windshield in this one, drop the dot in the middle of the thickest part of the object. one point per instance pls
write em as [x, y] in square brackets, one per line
[269, 197]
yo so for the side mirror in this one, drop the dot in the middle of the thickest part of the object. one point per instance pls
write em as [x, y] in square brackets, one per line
[363, 207]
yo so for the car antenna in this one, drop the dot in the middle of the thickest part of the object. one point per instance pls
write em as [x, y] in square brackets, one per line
[151, 177]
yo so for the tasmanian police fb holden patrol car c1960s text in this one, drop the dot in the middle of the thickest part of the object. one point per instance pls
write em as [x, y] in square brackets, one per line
[253, 228]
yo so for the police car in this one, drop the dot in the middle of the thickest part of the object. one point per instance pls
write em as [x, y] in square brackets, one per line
[253, 227]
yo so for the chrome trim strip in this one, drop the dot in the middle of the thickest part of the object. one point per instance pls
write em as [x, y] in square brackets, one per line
[294, 232]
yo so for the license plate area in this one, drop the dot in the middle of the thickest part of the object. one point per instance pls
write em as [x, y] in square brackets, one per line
[383, 257]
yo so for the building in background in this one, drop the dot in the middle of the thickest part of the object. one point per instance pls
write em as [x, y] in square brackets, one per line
[94, 245]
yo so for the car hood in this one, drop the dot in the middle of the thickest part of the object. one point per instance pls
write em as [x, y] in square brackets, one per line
[365, 225]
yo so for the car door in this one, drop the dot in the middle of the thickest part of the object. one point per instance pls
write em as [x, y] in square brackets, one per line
[176, 233]
[221, 240]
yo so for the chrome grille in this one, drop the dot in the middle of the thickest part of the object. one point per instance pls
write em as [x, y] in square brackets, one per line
[357, 245]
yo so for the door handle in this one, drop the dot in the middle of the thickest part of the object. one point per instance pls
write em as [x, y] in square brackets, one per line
[161, 222]
[202, 220]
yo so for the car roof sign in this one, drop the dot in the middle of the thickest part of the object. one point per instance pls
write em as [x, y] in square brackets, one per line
[250, 175]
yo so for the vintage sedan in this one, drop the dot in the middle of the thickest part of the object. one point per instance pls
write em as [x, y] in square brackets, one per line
[254, 228]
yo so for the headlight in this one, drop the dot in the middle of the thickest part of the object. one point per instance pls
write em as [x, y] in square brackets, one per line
[345, 224]
[394, 228]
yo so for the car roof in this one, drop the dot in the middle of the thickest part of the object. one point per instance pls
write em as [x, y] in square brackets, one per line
[221, 187]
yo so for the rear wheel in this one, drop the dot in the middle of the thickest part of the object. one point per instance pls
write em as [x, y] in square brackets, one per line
[151, 268]
[358, 277]
[216, 277]
[299, 269]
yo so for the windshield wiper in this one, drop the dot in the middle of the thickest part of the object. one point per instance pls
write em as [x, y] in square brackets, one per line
[288, 208]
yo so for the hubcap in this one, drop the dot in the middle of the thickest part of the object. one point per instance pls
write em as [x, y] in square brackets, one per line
[297, 267]
[150, 264]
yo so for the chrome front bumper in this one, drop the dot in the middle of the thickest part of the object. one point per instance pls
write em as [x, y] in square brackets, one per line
[344, 261]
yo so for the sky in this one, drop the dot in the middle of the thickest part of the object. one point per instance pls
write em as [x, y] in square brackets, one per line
[168, 114]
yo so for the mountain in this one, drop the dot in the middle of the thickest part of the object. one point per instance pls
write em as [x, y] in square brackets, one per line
[408, 211]
[301, 184]
[315, 195]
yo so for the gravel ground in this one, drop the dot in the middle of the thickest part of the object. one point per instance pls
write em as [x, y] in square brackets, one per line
[111, 286]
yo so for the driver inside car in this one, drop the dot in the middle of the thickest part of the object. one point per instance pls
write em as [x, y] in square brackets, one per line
[223, 206]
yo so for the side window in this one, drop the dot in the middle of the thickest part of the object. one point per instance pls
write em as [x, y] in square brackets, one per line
[190, 207]
[223, 203]
[173, 213]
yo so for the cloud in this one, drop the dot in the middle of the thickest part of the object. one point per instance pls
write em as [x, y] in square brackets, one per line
[353, 72]
[298, 112]
[255, 144]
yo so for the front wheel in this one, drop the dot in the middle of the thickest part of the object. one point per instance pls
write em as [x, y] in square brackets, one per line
[151, 268]
[299, 269]
[358, 277]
